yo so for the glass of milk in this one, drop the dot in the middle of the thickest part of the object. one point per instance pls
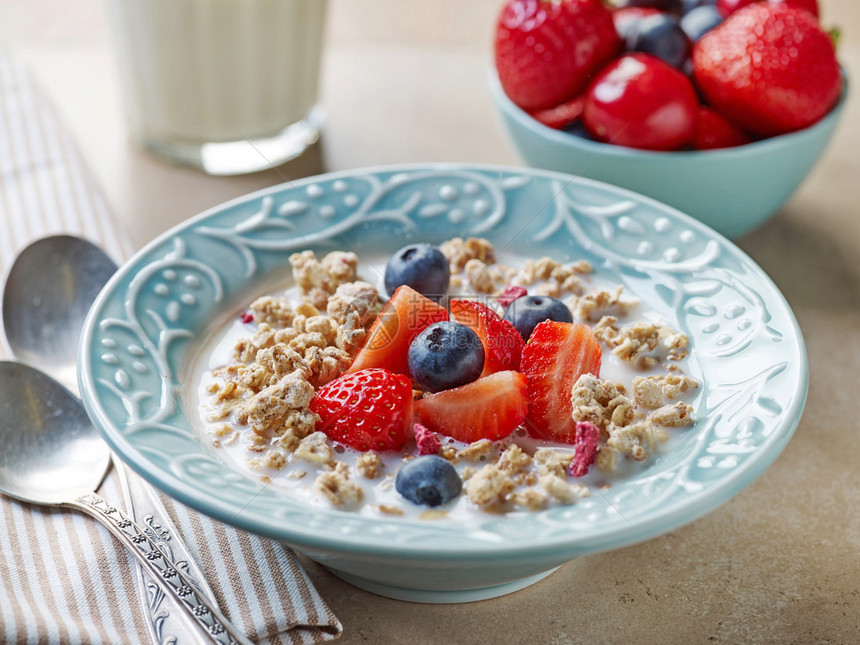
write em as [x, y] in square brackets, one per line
[228, 86]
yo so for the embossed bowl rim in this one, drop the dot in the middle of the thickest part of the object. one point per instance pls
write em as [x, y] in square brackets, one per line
[457, 548]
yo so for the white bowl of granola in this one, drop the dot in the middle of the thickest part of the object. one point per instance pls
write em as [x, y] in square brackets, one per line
[202, 359]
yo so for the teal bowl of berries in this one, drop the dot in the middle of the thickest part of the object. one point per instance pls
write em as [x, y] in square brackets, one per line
[719, 108]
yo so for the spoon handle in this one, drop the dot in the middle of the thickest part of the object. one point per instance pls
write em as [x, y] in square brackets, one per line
[165, 621]
[162, 568]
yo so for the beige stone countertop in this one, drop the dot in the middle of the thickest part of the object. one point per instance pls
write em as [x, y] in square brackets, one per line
[406, 82]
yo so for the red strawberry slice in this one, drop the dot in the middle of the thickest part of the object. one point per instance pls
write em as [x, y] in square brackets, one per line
[555, 356]
[770, 68]
[367, 410]
[403, 317]
[503, 344]
[546, 52]
[490, 408]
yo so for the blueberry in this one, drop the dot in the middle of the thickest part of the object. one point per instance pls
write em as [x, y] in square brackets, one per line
[662, 5]
[660, 35]
[445, 355]
[688, 5]
[420, 266]
[700, 21]
[527, 312]
[428, 480]
[578, 129]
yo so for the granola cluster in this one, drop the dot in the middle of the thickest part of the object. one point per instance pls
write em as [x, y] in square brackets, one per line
[269, 384]
[317, 279]
[639, 343]
[627, 430]
[518, 479]
[263, 393]
[473, 265]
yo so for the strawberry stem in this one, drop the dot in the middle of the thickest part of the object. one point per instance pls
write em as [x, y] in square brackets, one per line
[835, 34]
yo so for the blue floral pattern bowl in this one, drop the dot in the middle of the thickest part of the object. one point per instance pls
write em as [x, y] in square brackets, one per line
[141, 336]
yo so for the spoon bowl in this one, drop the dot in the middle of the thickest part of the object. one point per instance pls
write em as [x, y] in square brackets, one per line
[48, 292]
[51, 454]
[49, 450]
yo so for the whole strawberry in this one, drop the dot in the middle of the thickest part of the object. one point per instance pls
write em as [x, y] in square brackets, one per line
[810, 5]
[368, 410]
[714, 131]
[770, 68]
[727, 7]
[548, 50]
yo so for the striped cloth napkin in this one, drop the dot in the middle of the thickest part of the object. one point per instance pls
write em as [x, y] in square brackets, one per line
[63, 578]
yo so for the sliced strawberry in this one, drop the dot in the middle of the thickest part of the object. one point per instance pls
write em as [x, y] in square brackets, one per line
[503, 344]
[403, 317]
[368, 410]
[555, 356]
[490, 408]
[562, 114]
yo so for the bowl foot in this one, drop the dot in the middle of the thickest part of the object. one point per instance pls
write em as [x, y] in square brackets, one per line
[441, 596]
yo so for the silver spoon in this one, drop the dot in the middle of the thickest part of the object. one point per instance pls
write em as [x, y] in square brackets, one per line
[51, 455]
[48, 291]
